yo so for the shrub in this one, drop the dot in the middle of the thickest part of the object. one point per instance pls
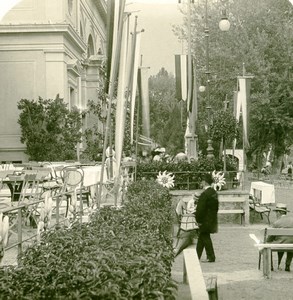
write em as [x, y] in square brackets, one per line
[187, 175]
[122, 253]
[49, 129]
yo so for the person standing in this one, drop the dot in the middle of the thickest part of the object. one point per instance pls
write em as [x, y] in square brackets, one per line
[289, 170]
[283, 221]
[206, 215]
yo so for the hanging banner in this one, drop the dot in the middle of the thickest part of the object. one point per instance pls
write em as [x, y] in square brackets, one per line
[181, 76]
[112, 29]
[243, 104]
[121, 95]
[143, 85]
[134, 83]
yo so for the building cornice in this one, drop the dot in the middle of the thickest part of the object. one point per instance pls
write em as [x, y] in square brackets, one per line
[65, 29]
[102, 8]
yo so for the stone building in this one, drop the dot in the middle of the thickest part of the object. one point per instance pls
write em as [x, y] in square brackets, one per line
[48, 47]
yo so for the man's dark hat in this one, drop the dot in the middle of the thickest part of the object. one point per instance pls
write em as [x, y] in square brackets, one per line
[208, 178]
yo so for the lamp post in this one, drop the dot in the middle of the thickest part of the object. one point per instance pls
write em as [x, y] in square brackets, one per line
[210, 150]
[190, 135]
[224, 25]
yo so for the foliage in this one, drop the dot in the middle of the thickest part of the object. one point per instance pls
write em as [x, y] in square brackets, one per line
[168, 116]
[122, 253]
[224, 125]
[95, 132]
[49, 129]
[187, 175]
[260, 39]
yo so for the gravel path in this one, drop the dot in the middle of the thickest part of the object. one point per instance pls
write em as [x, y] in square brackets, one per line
[236, 265]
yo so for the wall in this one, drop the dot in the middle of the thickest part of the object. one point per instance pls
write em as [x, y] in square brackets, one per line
[42, 53]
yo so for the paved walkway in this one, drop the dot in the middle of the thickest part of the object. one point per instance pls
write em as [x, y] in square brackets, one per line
[236, 259]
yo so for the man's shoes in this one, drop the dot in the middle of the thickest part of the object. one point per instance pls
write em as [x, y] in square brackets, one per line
[287, 268]
[208, 260]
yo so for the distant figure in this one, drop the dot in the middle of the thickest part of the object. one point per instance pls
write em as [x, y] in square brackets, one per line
[110, 169]
[289, 170]
[206, 216]
[179, 157]
[159, 154]
[283, 221]
[266, 170]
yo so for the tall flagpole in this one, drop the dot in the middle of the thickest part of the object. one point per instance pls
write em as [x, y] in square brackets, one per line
[111, 93]
[192, 95]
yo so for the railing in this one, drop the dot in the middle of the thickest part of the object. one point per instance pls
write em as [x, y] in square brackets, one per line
[22, 208]
[189, 180]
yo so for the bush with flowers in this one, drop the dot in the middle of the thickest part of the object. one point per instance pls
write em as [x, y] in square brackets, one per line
[187, 175]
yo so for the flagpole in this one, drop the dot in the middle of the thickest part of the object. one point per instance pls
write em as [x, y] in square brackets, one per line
[111, 92]
[191, 96]
[136, 132]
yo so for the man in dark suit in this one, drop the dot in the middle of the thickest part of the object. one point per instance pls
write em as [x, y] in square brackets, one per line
[206, 215]
[283, 221]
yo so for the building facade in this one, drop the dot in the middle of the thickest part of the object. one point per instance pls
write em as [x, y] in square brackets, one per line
[48, 47]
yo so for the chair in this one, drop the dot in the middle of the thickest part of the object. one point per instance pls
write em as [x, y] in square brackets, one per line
[53, 171]
[32, 191]
[72, 187]
[262, 240]
[5, 198]
[261, 209]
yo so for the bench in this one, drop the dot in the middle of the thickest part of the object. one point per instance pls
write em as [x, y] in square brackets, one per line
[266, 249]
[261, 209]
[192, 274]
[239, 203]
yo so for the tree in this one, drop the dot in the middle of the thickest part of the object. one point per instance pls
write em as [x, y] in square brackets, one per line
[167, 115]
[260, 38]
[49, 129]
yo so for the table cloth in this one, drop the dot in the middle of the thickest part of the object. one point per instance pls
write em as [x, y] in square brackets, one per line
[265, 192]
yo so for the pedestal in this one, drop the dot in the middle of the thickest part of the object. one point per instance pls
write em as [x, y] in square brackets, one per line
[210, 150]
[191, 146]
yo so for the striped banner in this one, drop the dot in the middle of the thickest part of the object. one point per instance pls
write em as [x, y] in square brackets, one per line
[184, 76]
[115, 10]
[190, 87]
[242, 104]
[181, 66]
[143, 86]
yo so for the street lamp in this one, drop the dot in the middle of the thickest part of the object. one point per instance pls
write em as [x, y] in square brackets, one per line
[224, 25]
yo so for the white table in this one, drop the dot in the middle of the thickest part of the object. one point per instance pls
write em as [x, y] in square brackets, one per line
[92, 175]
[265, 192]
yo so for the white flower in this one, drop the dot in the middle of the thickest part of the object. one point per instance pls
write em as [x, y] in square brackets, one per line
[219, 179]
[165, 179]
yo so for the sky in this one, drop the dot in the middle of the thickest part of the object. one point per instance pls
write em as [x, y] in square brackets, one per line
[158, 42]
[156, 17]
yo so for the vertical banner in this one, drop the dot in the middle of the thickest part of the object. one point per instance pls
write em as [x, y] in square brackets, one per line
[121, 95]
[143, 85]
[190, 88]
[181, 76]
[243, 95]
[112, 29]
[134, 83]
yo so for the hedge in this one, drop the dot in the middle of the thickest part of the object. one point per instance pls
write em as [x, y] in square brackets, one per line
[124, 253]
